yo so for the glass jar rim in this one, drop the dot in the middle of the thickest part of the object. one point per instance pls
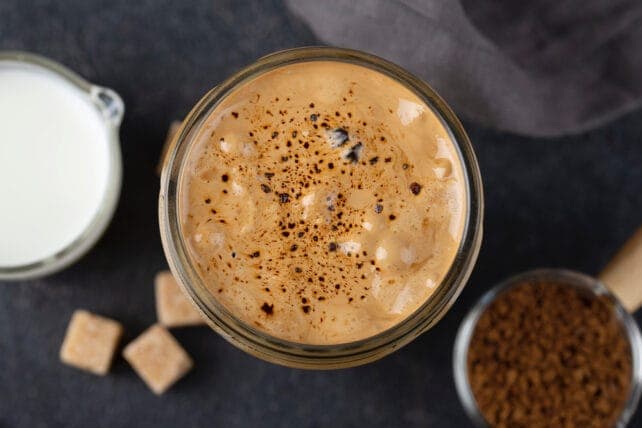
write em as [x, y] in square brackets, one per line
[111, 108]
[303, 355]
[570, 277]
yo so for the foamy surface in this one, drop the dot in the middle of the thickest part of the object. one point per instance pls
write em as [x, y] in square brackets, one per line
[323, 202]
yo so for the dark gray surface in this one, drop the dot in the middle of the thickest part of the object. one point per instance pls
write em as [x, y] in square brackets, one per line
[566, 202]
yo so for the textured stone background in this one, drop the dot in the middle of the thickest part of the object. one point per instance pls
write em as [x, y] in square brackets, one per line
[566, 202]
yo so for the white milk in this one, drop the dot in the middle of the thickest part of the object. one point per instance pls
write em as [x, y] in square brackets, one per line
[54, 164]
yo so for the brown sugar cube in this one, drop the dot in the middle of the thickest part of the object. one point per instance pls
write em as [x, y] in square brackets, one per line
[90, 342]
[169, 139]
[173, 308]
[158, 358]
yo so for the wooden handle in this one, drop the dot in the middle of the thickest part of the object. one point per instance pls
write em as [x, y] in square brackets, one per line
[623, 274]
[169, 142]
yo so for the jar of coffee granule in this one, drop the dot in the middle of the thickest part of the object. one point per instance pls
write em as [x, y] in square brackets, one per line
[549, 348]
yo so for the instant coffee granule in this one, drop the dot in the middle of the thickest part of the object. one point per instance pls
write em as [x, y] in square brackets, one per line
[549, 355]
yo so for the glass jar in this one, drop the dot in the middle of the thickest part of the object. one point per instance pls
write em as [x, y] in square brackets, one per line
[292, 354]
[556, 276]
[110, 109]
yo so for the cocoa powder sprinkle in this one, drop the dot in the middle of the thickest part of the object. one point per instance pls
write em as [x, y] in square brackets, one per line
[267, 308]
[415, 188]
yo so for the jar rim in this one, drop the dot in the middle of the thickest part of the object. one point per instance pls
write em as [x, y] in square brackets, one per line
[111, 109]
[272, 348]
[570, 277]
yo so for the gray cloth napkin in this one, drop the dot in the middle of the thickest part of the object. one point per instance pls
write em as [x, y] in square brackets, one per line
[539, 67]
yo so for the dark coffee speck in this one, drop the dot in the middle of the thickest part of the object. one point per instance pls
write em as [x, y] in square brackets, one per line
[268, 309]
[415, 188]
[354, 153]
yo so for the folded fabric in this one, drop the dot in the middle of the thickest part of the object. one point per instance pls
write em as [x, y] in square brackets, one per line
[540, 68]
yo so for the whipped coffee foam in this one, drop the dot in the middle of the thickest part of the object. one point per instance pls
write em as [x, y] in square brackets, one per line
[322, 202]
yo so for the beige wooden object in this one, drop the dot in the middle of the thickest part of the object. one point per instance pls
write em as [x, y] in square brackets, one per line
[623, 274]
